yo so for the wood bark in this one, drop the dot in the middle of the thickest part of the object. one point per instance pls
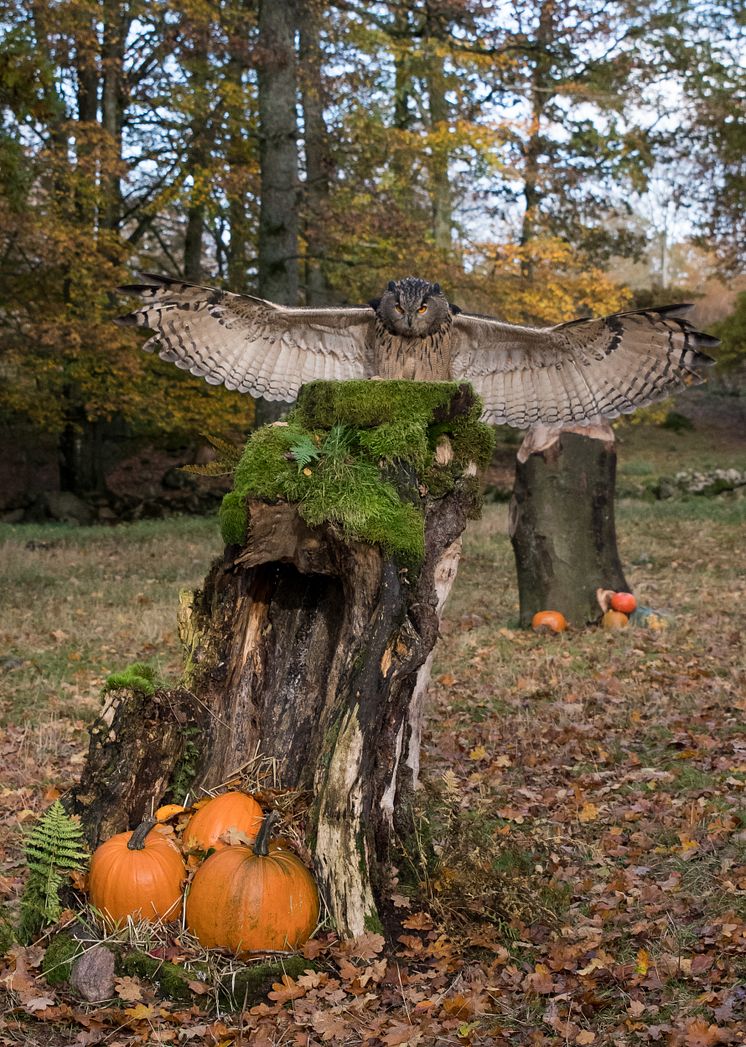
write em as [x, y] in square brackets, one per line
[319, 163]
[562, 523]
[311, 651]
[278, 140]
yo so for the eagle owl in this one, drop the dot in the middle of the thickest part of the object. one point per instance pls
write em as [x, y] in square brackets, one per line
[572, 373]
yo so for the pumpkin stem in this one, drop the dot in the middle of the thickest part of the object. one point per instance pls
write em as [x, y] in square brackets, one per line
[261, 844]
[136, 841]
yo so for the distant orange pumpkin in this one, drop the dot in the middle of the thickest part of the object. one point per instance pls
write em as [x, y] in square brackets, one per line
[553, 621]
[614, 620]
[624, 602]
[233, 810]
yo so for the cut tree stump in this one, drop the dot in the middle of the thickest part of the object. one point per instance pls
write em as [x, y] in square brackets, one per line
[310, 648]
[562, 522]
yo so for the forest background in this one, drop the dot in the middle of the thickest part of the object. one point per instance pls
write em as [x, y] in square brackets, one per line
[542, 159]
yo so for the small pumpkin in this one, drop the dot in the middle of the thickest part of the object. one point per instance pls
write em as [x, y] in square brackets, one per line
[647, 618]
[253, 899]
[138, 874]
[624, 602]
[167, 811]
[551, 621]
[233, 810]
[614, 620]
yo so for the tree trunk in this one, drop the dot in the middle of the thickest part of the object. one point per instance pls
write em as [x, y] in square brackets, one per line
[562, 522]
[278, 161]
[198, 51]
[278, 136]
[318, 154]
[440, 185]
[310, 652]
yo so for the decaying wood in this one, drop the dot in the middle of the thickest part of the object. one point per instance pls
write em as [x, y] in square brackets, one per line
[313, 651]
[562, 522]
[309, 648]
[135, 748]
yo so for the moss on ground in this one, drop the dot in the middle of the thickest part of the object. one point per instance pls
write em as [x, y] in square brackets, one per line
[59, 957]
[339, 457]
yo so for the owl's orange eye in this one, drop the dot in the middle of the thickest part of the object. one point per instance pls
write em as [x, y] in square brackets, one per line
[422, 309]
[399, 310]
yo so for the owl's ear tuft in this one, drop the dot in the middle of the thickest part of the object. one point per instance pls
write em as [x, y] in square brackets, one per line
[374, 303]
[435, 289]
[455, 309]
[392, 286]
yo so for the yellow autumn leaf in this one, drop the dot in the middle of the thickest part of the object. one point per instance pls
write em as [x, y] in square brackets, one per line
[643, 962]
[478, 753]
[588, 812]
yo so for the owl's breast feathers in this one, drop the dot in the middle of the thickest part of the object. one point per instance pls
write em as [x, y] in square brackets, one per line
[425, 359]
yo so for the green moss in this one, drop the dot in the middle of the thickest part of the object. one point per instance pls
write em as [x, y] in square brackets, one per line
[136, 677]
[186, 769]
[233, 518]
[372, 922]
[352, 454]
[58, 958]
[7, 935]
[172, 980]
[404, 441]
[250, 984]
[366, 404]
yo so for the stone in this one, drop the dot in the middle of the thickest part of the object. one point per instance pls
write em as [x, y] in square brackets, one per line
[67, 508]
[92, 974]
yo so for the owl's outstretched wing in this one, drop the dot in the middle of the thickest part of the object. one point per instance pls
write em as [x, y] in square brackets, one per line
[248, 344]
[577, 371]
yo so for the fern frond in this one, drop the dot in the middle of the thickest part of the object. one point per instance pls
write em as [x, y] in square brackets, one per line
[54, 847]
[229, 455]
[304, 451]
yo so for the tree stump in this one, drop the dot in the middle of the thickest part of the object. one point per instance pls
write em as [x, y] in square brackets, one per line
[309, 644]
[562, 522]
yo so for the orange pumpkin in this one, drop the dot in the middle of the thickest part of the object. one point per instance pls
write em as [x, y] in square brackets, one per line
[138, 874]
[253, 899]
[614, 620]
[169, 810]
[624, 602]
[552, 621]
[232, 810]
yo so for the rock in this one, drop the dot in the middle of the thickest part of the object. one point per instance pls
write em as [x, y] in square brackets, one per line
[92, 974]
[13, 516]
[67, 508]
[176, 480]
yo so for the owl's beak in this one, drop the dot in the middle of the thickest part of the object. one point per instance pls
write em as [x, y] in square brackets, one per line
[409, 320]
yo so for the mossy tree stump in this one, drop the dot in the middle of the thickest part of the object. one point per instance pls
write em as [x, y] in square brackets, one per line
[562, 522]
[310, 641]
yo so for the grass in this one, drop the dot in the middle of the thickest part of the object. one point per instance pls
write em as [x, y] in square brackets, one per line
[81, 603]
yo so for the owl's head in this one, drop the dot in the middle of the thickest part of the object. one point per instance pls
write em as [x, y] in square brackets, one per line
[412, 307]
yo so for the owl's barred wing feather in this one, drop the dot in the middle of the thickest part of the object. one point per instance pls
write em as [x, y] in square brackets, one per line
[580, 370]
[248, 344]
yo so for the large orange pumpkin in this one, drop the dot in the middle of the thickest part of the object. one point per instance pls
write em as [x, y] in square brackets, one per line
[232, 810]
[138, 874]
[253, 899]
[554, 621]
